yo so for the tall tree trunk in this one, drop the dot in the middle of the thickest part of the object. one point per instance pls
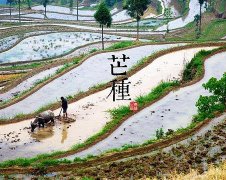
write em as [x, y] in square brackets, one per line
[102, 26]
[19, 11]
[200, 18]
[137, 29]
[77, 10]
[10, 11]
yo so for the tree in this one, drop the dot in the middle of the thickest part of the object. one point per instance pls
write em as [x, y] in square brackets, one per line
[218, 88]
[45, 2]
[135, 9]
[77, 9]
[103, 17]
[19, 9]
[29, 4]
[201, 2]
[211, 5]
[71, 3]
[168, 14]
[110, 3]
[10, 9]
[196, 19]
[207, 105]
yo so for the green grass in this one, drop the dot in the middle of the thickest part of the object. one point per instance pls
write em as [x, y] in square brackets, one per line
[195, 68]
[220, 5]
[21, 67]
[156, 93]
[120, 45]
[213, 31]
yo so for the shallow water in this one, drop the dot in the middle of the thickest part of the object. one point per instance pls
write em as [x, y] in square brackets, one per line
[25, 85]
[73, 82]
[68, 17]
[91, 113]
[121, 16]
[35, 15]
[146, 22]
[6, 43]
[64, 10]
[51, 45]
[172, 112]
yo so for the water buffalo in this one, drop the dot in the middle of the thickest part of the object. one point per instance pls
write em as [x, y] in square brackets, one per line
[41, 119]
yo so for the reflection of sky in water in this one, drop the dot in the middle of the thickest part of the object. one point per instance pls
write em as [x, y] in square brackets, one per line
[147, 22]
[51, 45]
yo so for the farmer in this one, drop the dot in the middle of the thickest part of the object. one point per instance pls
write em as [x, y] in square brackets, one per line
[64, 106]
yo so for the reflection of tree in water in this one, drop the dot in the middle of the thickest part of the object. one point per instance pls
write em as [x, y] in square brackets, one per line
[64, 133]
[43, 133]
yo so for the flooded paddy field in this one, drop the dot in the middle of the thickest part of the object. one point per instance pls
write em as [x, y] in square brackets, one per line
[27, 84]
[51, 45]
[60, 9]
[172, 112]
[146, 23]
[65, 85]
[46, 55]
[9, 42]
[91, 113]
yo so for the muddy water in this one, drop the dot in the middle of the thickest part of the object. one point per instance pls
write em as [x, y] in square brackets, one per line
[80, 79]
[172, 112]
[181, 22]
[25, 85]
[16, 140]
[91, 113]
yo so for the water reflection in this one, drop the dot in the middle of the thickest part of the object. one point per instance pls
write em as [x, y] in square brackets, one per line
[64, 133]
[43, 133]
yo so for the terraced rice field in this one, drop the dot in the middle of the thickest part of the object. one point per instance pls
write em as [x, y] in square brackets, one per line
[91, 113]
[45, 58]
[51, 45]
[95, 66]
[172, 112]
